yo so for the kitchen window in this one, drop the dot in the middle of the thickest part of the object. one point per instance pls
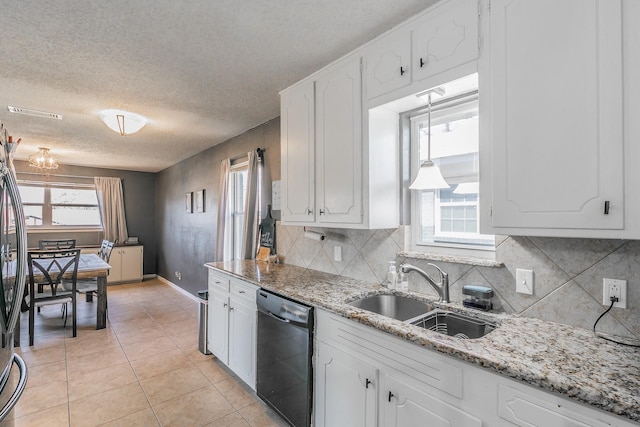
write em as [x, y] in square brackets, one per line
[236, 206]
[60, 205]
[447, 220]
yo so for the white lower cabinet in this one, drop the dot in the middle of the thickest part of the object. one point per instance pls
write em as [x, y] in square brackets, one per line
[340, 374]
[232, 324]
[126, 264]
[365, 377]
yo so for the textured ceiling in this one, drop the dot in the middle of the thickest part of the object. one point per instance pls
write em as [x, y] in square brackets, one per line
[200, 71]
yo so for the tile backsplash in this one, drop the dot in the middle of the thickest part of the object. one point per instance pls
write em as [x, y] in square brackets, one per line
[568, 272]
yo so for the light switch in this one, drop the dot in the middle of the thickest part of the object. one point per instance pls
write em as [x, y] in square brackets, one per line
[524, 281]
[337, 253]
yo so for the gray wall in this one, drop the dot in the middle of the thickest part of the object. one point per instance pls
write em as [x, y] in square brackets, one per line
[139, 200]
[187, 241]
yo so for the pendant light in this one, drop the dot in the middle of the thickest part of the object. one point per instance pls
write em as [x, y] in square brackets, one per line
[429, 175]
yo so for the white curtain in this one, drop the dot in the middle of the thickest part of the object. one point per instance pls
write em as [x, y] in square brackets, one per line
[252, 207]
[223, 253]
[111, 203]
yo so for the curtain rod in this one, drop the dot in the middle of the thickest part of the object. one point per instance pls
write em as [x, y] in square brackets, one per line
[54, 175]
[260, 152]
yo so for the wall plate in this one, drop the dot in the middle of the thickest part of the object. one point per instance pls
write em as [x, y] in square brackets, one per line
[524, 281]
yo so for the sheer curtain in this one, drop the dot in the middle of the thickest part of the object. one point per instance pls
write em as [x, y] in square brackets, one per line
[223, 253]
[252, 206]
[111, 204]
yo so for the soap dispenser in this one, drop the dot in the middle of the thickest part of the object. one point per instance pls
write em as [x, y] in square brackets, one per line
[392, 275]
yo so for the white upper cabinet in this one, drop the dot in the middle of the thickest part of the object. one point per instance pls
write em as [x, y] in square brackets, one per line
[297, 145]
[339, 144]
[388, 63]
[551, 84]
[445, 38]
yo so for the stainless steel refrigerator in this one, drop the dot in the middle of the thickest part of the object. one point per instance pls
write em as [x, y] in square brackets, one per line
[13, 263]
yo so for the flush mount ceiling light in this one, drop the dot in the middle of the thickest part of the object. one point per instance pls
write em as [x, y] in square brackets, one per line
[122, 122]
[43, 160]
[429, 175]
[35, 113]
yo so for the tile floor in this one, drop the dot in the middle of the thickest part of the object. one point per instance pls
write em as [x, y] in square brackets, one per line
[144, 369]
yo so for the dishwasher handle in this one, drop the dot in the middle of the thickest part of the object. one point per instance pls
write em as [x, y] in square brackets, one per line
[275, 316]
[292, 322]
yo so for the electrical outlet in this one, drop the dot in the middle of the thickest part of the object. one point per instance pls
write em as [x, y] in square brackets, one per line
[524, 281]
[178, 275]
[614, 288]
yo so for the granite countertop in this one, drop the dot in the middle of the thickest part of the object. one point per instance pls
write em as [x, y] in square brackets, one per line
[558, 358]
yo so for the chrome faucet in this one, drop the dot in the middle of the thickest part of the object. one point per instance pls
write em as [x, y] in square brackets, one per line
[441, 288]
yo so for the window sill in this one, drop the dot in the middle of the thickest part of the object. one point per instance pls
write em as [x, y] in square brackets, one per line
[36, 230]
[458, 259]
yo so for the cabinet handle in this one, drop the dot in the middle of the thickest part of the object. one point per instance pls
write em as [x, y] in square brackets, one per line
[241, 292]
[390, 396]
[367, 382]
[224, 304]
[402, 71]
[606, 207]
[321, 211]
[230, 308]
[309, 211]
[422, 63]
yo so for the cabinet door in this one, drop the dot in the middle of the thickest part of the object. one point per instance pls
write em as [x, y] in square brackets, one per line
[297, 139]
[131, 263]
[445, 38]
[345, 390]
[339, 144]
[242, 339]
[218, 324]
[406, 406]
[388, 64]
[556, 114]
[115, 261]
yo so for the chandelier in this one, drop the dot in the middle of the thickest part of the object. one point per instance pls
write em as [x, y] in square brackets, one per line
[43, 160]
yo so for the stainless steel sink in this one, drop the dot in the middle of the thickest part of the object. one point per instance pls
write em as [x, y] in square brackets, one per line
[454, 324]
[395, 306]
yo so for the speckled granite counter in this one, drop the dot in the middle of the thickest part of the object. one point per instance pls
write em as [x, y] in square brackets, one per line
[558, 358]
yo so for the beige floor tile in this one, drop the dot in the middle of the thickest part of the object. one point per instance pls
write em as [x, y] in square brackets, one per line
[188, 326]
[214, 370]
[44, 356]
[135, 334]
[58, 416]
[141, 349]
[172, 384]
[187, 340]
[232, 420]
[83, 384]
[260, 415]
[171, 317]
[154, 308]
[159, 364]
[45, 374]
[124, 326]
[108, 406]
[193, 409]
[145, 418]
[236, 393]
[102, 359]
[40, 397]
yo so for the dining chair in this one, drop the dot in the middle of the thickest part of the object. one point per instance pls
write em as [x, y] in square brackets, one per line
[48, 267]
[55, 244]
[89, 287]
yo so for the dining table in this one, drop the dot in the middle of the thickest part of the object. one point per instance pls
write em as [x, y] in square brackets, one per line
[90, 266]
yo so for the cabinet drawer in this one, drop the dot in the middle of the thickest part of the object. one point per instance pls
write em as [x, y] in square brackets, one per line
[243, 292]
[218, 281]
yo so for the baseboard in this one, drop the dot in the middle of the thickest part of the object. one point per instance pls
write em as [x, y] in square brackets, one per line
[177, 288]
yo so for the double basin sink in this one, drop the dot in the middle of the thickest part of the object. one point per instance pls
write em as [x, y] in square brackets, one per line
[425, 315]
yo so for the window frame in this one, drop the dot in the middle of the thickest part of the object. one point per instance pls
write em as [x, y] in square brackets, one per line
[456, 105]
[48, 206]
[234, 231]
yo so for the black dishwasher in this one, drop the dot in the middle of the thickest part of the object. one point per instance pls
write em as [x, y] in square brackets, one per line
[285, 345]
